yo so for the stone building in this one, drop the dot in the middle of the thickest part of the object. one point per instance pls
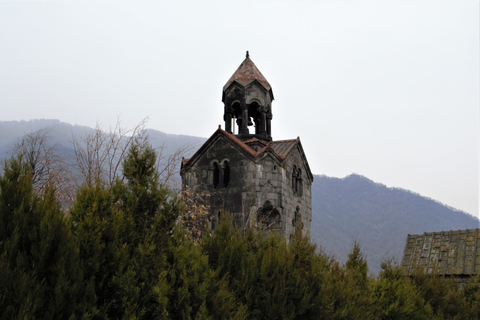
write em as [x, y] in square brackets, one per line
[243, 171]
[447, 253]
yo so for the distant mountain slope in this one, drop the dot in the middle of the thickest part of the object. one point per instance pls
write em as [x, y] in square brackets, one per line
[11, 131]
[343, 209]
[380, 218]
[62, 134]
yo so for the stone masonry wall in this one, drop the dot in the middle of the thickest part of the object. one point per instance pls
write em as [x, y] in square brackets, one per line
[253, 184]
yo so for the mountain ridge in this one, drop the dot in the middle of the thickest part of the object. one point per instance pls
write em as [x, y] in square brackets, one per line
[380, 218]
[343, 209]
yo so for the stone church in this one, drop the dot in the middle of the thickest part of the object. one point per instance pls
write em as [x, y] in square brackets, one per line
[261, 182]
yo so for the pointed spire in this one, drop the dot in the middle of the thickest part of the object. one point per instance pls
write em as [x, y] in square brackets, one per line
[246, 73]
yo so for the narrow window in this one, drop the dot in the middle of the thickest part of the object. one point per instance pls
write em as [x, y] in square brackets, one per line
[299, 183]
[226, 173]
[216, 174]
[294, 178]
[297, 219]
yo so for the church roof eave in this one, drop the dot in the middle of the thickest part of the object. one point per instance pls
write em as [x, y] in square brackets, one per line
[269, 90]
[284, 148]
[280, 149]
[219, 132]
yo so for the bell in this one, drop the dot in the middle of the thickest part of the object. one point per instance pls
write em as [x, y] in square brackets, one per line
[250, 123]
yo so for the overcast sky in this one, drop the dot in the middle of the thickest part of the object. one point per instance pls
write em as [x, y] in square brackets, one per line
[386, 89]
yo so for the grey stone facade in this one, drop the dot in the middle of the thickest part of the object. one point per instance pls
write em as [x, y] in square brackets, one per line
[262, 183]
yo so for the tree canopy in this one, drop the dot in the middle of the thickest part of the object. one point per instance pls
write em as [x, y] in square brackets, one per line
[120, 251]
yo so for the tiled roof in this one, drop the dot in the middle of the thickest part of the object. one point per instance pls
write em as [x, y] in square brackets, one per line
[280, 148]
[283, 147]
[449, 252]
[239, 142]
[255, 140]
[246, 73]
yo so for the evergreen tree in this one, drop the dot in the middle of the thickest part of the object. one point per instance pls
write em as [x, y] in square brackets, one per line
[99, 227]
[122, 237]
[311, 270]
[471, 295]
[394, 296]
[40, 274]
[123, 253]
[140, 266]
[271, 279]
[349, 288]
[150, 211]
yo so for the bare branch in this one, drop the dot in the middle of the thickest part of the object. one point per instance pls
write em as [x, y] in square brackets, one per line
[99, 154]
[47, 165]
[169, 165]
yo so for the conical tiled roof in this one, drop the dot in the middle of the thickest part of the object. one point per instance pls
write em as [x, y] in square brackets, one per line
[246, 73]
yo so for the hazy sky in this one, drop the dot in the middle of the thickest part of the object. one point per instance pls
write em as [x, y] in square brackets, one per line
[386, 89]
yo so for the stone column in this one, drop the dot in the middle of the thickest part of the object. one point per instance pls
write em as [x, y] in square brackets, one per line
[269, 127]
[244, 128]
[269, 122]
[228, 122]
[263, 122]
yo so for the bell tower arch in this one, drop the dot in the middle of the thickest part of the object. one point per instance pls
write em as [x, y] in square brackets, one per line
[247, 98]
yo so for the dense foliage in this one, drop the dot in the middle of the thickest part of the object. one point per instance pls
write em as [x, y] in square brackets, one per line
[353, 207]
[121, 252]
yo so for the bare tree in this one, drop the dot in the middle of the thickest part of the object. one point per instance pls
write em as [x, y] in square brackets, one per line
[47, 165]
[98, 157]
[168, 165]
[99, 154]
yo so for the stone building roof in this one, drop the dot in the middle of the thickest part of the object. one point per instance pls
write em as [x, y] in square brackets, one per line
[246, 73]
[451, 253]
[283, 147]
[280, 149]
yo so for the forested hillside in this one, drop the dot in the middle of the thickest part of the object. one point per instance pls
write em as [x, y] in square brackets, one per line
[380, 218]
[344, 210]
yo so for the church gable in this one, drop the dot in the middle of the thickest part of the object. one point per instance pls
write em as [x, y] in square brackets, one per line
[292, 152]
[219, 143]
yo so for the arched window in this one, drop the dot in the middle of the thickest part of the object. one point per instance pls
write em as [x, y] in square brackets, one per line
[294, 177]
[237, 115]
[268, 217]
[216, 174]
[299, 183]
[226, 173]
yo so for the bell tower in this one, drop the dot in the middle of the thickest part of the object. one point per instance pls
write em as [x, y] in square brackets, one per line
[260, 182]
[247, 97]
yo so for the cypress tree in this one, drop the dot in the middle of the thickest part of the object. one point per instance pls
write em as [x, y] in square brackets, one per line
[126, 239]
[394, 296]
[269, 278]
[471, 294]
[40, 272]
